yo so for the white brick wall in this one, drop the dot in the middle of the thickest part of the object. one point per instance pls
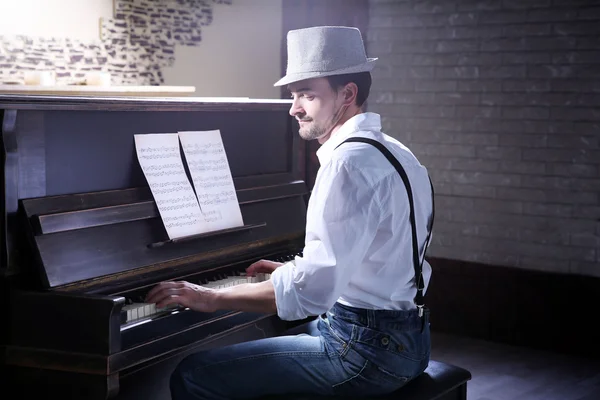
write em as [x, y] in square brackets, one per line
[501, 101]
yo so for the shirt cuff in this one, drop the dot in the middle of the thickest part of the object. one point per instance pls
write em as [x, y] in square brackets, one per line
[285, 295]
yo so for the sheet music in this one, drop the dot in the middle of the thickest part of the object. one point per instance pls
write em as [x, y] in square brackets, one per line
[208, 165]
[160, 159]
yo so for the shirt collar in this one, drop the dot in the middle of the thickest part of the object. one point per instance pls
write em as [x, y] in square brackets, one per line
[367, 121]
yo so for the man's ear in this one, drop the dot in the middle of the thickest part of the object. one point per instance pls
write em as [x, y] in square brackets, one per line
[350, 92]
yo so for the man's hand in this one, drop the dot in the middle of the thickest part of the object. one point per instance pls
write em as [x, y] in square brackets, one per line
[186, 294]
[262, 266]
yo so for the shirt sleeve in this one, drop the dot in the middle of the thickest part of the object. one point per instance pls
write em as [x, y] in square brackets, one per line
[342, 218]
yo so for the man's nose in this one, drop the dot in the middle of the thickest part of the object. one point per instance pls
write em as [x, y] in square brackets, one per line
[295, 108]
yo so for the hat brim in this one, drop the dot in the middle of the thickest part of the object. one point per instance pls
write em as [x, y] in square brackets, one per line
[291, 78]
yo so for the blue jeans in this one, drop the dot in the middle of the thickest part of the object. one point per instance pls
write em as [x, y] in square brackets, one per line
[347, 352]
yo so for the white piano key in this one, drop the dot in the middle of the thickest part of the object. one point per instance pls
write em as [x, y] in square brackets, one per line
[137, 311]
[234, 279]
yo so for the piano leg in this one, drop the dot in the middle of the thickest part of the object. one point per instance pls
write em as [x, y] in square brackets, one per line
[33, 383]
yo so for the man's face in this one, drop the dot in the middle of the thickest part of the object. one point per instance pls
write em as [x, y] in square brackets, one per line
[316, 107]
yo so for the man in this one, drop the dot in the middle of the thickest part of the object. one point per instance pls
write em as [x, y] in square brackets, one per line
[357, 272]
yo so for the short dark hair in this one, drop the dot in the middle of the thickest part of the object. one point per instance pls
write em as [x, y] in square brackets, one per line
[361, 79]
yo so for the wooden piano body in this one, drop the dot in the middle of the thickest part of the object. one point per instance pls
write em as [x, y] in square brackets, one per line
[79, 234]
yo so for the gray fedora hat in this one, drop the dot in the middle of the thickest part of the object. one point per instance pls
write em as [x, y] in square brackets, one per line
[324, 51]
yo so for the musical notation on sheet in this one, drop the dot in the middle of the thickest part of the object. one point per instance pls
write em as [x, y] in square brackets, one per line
[160, 159]
[207, 161]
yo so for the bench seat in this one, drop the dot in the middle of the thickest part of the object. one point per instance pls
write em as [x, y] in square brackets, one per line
[440, 381]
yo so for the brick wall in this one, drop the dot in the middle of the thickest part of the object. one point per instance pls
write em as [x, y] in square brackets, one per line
[501, 101]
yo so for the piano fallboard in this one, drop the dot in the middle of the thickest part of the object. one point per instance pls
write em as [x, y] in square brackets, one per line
[77, 248]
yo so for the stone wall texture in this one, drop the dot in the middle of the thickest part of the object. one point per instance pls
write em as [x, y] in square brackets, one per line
[134, 46]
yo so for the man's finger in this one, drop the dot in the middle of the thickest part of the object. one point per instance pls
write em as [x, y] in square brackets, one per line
[162, 293]
[258, 265]
[252, 268]
[162, 286]
[172, 299]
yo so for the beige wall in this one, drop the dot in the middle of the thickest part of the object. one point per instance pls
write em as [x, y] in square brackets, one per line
[239, 54]
[76, 19]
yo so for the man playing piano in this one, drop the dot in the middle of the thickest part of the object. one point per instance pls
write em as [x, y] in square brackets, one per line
[366, 234]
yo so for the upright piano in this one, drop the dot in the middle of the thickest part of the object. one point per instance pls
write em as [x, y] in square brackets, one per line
[82, 241]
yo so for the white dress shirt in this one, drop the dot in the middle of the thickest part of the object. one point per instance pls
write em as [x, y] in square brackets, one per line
[358, 244]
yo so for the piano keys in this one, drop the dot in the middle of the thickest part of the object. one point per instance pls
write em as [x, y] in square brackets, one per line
[139, 311]
[83, 241]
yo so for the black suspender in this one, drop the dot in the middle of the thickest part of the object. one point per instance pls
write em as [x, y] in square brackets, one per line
[417, 261]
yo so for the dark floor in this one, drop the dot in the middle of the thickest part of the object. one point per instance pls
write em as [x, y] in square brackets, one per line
[503, 372]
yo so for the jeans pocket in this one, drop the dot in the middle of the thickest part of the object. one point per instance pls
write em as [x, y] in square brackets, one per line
[391, 344]
[402, 369]
[369, 380]
[412, 345]
[335, 345]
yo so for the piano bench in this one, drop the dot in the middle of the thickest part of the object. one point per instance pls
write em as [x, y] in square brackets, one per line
[440, 381]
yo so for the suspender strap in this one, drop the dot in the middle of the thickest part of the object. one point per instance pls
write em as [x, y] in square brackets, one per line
[417, 261]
